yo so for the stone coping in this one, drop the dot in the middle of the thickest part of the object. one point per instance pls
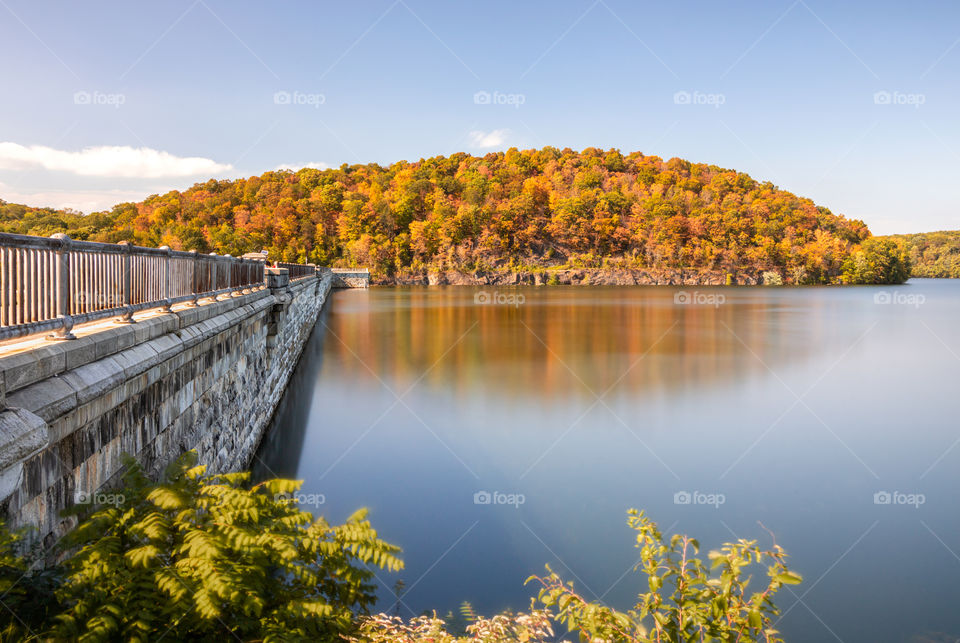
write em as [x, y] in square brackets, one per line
[33, 359]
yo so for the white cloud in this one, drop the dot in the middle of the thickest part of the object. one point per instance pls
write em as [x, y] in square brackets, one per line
[316, 165]
[107, 161]
[80, 200]
[485, 140]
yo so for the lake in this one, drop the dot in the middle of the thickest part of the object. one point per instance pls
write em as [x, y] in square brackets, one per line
[492, 431]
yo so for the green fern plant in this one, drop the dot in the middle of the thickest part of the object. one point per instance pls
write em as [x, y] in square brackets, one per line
[209, 557]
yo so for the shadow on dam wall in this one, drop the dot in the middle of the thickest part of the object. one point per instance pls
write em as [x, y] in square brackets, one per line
[278, 455]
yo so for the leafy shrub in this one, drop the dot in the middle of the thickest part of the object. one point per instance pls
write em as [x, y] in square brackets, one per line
[502, 628]
[209, 557]
[27, 596]
[687, 600]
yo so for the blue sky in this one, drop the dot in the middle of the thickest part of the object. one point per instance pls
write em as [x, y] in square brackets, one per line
[111, 101]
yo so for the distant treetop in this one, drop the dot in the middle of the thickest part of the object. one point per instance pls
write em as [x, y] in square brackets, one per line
[505, 210]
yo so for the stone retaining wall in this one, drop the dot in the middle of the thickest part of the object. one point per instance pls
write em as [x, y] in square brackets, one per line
[205, 378]
[348, 278]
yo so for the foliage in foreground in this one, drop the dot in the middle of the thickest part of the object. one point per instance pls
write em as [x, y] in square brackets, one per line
[209, 557]
[27, 597]
[537, 625]
[688, 600]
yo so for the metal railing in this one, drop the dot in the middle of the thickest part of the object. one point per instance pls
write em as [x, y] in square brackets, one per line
[297, 270]
[53, 283]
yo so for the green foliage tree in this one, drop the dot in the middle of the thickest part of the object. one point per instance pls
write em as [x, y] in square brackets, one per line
[687, 599]
[209, 557]
[878, 261]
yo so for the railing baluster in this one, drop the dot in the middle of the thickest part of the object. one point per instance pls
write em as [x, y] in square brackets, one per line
[214, 274]
[4, 286]
[194, 287]
[165, 296]
[63, 289]
[54, 283]
[126, 283]
[101, 301]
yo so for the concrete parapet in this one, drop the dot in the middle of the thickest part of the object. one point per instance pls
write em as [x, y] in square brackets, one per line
[206, 377]
[351, 277]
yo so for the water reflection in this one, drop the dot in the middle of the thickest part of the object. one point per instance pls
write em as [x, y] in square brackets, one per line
[798, 405]
[282, 443]
[597, 335]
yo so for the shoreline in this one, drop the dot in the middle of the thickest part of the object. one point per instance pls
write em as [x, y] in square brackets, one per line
[573, 277]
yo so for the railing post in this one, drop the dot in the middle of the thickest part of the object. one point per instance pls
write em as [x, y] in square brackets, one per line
[232, 276]
[167, 302]
[127, 284]
[195, 288]
[244, 277]
[214, 276]
[63, 289]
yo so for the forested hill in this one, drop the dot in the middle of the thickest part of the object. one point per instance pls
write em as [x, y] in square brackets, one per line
[510, 211]
[933, 254]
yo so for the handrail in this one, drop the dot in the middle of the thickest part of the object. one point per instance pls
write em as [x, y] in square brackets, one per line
[54, 283]
[297, 270]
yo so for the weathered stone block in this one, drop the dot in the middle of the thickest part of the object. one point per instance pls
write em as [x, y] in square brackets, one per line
[21, 433]
[23, 369]
[93, 380]
[48, 399]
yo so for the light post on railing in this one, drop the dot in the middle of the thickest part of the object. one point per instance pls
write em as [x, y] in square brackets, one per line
[127, 284]
[63, 288]
[167, 302]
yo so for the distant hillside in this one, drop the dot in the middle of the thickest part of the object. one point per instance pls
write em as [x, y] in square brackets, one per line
[514, 211]
[933, 254]
[42, 222]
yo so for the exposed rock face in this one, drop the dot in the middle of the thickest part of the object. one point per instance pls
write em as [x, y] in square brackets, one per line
[574, 276]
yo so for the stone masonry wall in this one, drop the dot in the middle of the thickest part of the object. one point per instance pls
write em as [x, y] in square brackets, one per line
[347, 278]
[205, 378]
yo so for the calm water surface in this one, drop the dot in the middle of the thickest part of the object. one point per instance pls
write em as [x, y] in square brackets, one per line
[792, 406]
